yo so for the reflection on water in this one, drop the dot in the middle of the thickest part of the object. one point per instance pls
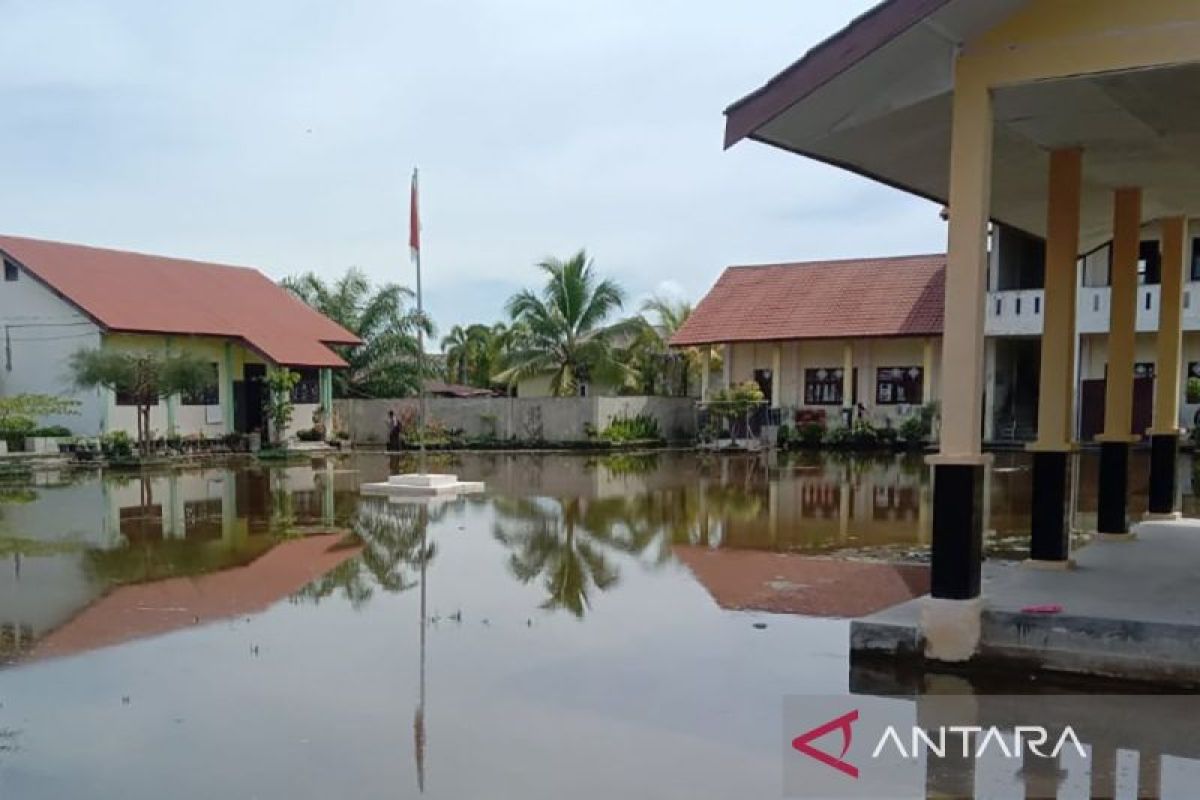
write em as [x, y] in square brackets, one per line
[70, 538]
[312, 619]
[1139, 741]
[392, 537]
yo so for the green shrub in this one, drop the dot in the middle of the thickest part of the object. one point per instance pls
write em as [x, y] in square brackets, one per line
[860, 434]
[117, 445]
[785, 436]
[51, 430]
[839, 436]
[912, 430]
[864, 434]
[918, 428]
[887, 436]
[310, 435]
[1193, 390]
[811, 433]
[628, 429]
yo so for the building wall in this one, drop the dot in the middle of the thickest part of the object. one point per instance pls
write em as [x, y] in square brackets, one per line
[549, 419]
[1093, 358]
[206, 420]
[869, 356]
[42, 331]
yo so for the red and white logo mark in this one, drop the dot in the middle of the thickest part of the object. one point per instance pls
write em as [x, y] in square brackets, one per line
[803, 743]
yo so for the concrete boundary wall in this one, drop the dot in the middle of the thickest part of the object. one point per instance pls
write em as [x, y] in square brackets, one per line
[528, 419]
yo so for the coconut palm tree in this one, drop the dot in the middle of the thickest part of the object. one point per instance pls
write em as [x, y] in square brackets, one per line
[387, 364]
[677, 367]
[566, 331]
[457, 347]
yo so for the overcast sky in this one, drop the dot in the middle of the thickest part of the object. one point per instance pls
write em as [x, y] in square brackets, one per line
[281, 134]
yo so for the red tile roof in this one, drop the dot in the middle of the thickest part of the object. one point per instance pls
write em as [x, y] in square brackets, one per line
[133, 292]
[145, 610]
[790, 583]
[860, 298]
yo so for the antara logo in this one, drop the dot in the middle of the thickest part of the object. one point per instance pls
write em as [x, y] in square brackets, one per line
[974, 740]
[803, 743]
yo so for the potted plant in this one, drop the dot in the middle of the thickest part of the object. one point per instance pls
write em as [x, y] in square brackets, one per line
[1193, 390]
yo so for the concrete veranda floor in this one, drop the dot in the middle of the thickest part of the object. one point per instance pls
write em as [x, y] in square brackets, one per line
[1130, 609]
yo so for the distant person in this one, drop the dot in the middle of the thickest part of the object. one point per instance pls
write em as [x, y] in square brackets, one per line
[393, 431]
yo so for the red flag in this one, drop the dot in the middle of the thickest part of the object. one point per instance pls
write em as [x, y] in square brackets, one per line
[414, 220]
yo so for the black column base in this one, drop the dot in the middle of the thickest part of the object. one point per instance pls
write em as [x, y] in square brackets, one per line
[1112, 506]
[1050, 535]
[1164, 450]
[957, 531]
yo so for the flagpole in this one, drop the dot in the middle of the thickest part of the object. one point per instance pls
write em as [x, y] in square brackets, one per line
[414, 238]
[421, 364]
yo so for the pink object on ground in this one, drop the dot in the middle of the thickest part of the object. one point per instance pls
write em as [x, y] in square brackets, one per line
[1050, 608]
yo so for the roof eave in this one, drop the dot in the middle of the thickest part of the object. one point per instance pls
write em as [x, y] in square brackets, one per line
[855, 336]
[863, 36]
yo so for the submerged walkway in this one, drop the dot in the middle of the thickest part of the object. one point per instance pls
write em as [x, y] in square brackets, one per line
[1128, 610]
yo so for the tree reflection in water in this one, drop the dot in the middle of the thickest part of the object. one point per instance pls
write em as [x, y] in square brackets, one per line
[568, 542]
[393, 552]
[563, 541]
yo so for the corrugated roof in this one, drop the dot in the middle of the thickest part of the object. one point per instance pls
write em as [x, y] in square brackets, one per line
[134, 292]
[854, 299]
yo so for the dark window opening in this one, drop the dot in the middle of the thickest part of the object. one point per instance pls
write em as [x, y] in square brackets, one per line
[125, 398]
[765, 379]
[10, 271]
[210, 395]
[308, 388]
[1149, 263]
[899, 386]
[823, 386]
[1022, 260]
[1196, 259]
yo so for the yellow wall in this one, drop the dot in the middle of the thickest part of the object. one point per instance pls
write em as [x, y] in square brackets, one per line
[869, 355]
[1064, 38]
[189, 420]
[1093, 357]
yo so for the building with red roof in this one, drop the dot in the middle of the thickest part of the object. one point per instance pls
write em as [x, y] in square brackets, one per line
[59, 298]
[823, 336]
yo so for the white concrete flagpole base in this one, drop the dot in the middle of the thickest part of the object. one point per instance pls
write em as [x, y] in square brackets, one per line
[952, 628]
[418, 484]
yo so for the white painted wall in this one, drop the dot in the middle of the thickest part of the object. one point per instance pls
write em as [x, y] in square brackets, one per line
[42, 331]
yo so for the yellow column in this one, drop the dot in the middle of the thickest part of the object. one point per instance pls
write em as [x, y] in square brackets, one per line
[848, 374]
[776, 376]
[705, 369]
[928, 394]
[1118, 392]
[1170, 330]
[1056, 388]
[966, 271]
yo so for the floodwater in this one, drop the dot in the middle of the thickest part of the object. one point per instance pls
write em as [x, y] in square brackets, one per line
[592, 626]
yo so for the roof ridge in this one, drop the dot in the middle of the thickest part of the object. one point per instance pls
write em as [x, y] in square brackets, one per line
[861, 261]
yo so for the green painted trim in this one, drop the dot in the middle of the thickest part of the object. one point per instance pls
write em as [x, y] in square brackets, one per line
[227, 393]
[326, 375]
